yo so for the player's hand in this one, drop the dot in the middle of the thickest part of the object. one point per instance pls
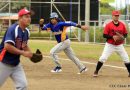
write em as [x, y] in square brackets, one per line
[84, 27]
[41, 22]
[27, 54]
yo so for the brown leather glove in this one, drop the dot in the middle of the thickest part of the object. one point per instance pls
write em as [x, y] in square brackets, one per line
[37, 56]
[118, 37]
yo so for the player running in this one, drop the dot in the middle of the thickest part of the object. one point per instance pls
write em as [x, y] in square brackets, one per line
[58, 28]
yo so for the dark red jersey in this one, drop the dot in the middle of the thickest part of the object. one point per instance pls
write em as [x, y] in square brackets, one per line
[110, 30]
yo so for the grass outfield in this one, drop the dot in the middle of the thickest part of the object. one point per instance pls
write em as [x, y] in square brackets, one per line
[81, 49]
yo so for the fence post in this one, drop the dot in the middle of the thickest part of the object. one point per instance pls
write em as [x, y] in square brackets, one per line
[94, 29]
[79, 33]
[87, 18]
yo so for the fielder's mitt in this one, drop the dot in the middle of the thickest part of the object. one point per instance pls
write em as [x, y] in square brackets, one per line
[37, 57]
[41, 22]
[118, 37]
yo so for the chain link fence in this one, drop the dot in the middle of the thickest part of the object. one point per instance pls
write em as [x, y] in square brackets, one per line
[9, 9]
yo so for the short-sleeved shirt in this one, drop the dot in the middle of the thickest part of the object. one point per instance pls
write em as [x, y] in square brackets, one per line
[110, 30]
[16, 37]
[59, 27]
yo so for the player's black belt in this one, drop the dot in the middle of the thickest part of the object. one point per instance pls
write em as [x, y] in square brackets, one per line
[8, 65]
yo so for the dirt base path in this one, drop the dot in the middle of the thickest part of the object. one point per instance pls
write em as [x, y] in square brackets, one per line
[40, 78]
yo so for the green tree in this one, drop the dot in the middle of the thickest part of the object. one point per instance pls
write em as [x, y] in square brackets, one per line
[15, 5]
[105, 8]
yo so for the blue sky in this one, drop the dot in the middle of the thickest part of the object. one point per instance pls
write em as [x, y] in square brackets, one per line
[120, 3]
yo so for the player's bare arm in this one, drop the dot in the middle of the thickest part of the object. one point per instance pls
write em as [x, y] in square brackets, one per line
[83, 27]
[10, 48]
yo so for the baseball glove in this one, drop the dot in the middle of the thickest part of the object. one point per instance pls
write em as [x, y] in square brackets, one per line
[118, 37]
[37, 57]
[41, 22]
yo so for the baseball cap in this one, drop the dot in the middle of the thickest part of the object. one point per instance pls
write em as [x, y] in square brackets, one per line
[53, 15]
[115, 12]
[23, 12]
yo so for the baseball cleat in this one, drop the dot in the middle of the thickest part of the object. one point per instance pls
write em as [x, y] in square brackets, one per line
[95, 74]
[57, 69]
[83, 70]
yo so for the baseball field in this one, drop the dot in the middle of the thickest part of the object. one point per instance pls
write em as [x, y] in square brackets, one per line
[113, 75]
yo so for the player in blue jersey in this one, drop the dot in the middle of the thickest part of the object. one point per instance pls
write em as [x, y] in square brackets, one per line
[14, 44]
[58, 28]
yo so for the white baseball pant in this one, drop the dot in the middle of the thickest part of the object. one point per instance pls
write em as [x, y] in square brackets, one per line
[110, 48]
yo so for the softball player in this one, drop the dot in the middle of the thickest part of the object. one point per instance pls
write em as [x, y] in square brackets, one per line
[111, 45]
[58, 29]
[13, 45]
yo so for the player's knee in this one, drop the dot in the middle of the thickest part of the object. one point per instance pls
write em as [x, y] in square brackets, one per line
[52, 53]
[21, 88]
[126, 61]
[25, 84]
[22, 85]
[103, 60]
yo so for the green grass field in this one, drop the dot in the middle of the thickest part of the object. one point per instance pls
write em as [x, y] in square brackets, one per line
[82, 50]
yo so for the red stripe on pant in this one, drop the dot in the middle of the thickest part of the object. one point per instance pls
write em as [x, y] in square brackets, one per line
[2, 54]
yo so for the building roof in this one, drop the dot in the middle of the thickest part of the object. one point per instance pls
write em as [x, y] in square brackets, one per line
[12, 16]
[9, 17]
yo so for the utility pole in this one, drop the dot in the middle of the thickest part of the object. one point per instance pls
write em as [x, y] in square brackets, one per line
[87, 18]
[127, 10]
[9, 12]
